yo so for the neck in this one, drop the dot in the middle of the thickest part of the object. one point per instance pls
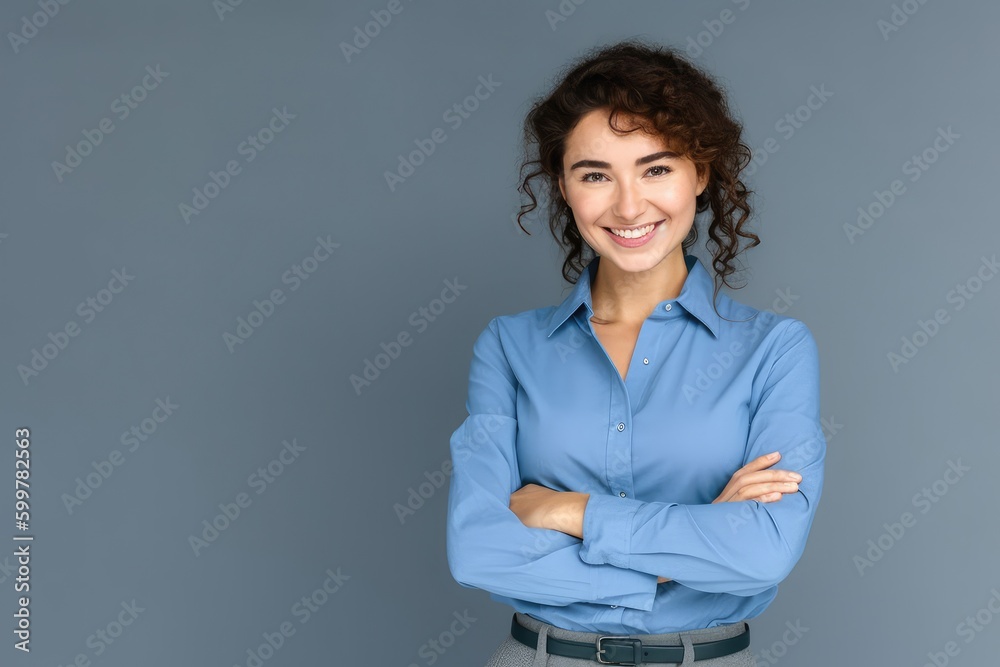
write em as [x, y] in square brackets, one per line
[627, 297]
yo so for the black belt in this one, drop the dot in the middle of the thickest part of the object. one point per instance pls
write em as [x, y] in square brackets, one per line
[622, 650]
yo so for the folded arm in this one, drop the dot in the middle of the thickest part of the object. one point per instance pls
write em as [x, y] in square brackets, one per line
[741, 548]
[488, 547]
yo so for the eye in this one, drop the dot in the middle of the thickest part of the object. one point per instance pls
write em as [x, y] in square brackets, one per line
[663, 171]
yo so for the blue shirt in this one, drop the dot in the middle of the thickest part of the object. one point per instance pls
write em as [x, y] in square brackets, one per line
[702, 397]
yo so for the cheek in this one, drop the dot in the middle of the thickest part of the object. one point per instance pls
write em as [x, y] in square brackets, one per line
[591, 232]
[587, 205]
[675, 199]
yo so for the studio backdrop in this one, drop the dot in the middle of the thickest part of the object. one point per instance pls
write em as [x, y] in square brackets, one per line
[246, 248]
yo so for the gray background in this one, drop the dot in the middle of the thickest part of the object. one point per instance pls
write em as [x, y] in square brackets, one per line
[894, 430]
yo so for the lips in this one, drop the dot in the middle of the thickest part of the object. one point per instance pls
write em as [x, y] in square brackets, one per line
[650, 226]
[634, 242]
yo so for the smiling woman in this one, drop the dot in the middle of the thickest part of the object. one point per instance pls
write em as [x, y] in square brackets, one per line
[598, 504]
[648, 203]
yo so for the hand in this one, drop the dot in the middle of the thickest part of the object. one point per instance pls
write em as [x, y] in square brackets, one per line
[753, 482]
[530, 504]
[541, 507]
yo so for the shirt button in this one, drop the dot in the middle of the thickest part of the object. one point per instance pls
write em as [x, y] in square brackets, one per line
[621, 426]
[622, 494]
[667, 307]
[614, 606]
[645, 360]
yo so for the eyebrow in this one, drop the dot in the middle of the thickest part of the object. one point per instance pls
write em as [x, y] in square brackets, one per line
[598, 164]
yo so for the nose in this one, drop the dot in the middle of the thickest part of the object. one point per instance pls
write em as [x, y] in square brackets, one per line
[629, 202]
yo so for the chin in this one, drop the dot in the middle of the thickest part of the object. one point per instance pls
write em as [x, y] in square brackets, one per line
[647, 257]
[635, 264]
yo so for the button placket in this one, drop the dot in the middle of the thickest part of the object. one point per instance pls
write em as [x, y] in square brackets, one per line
[619, 470]
[620, 476]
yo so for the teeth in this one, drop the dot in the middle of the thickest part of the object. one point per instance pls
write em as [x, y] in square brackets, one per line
[633, 233]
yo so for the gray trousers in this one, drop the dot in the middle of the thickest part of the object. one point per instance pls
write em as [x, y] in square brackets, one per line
[512, 653]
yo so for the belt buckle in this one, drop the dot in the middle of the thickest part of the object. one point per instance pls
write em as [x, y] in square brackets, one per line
[636, 650]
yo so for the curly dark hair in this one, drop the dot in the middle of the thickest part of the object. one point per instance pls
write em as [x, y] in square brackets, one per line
[663, 94]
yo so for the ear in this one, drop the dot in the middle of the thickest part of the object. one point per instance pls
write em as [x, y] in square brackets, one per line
[703, 180]
[562, 186]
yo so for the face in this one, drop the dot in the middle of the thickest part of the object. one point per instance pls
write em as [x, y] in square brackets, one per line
[627, 183]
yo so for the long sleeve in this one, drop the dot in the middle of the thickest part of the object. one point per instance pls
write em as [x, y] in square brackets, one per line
[488, 547]
[741, 548]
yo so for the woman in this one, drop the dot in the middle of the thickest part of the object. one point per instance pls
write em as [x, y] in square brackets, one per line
[615, 480]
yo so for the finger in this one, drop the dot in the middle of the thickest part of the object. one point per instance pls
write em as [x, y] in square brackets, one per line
[759, 463]
[737, 486]
[765, 461]
[762, 476]
[754, 491]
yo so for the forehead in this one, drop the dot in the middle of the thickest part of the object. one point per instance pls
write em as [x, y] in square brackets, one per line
[593, 137]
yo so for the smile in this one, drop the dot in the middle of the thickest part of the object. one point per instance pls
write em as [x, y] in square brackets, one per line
[633, 237]
[634, 233]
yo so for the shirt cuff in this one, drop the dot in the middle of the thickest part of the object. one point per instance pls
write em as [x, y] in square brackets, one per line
[625, 588]
[607, 530]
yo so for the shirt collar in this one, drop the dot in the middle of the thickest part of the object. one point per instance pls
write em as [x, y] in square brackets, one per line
[695, 297]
